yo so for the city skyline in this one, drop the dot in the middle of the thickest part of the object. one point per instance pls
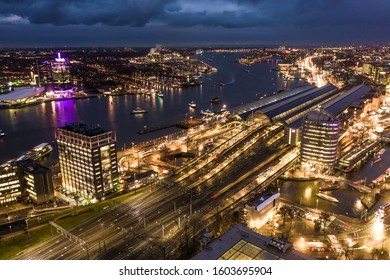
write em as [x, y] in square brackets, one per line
[201, 24]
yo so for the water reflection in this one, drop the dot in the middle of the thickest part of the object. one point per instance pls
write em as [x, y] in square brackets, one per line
[305, 193]
[65, 112]
[40, 122]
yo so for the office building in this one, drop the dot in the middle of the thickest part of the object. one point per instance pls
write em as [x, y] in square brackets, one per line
[320, 134]
[60, 72]
[88, 160]
[10, 187]
[37, 182]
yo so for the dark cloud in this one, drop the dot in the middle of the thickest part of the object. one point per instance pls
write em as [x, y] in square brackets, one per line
[225, 13]
[87, 12]
[332, 20]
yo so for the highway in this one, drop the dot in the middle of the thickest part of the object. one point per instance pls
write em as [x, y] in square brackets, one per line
[316, 74]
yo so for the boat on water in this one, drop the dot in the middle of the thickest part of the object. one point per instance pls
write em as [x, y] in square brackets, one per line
[206, 113]
[246, 70]
[37, 152]
[192, 104]
[2, 133]
[221, 84]
[330, 188]
[360, 182]
[327, 197]
[138, 111]
[216, 99]
[382, 151]
[378, 159]
[160, 94]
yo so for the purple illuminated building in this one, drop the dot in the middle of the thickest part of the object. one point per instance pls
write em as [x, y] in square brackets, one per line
[60, 73]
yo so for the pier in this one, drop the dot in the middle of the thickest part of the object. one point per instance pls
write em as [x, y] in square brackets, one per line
[185, 124]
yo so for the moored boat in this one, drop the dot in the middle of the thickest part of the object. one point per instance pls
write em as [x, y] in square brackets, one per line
[37, 152]
[216, 99]
[329, 188]
[327, 197]
[138, 111]
[2, 133]
[359, 182]
[207, 113]
[192, 104]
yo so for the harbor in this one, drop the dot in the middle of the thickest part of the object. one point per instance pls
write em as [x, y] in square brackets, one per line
[42, 120]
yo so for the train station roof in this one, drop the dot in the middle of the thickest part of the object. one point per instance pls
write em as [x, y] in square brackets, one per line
[337, 105]
[248, 108]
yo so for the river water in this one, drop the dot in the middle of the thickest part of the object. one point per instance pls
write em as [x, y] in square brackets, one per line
[305, 192]
[30, 126]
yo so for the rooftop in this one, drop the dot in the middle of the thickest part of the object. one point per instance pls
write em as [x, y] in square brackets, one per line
[340, 102]
[22, 93]
[298, 102]
[84, 129]
[240, 243]
[337, 105]
[319, 114]
[269, 100]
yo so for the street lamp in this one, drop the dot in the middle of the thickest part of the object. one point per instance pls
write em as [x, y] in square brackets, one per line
[28, 232]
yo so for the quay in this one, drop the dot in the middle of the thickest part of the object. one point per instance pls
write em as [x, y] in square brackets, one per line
[185, 124]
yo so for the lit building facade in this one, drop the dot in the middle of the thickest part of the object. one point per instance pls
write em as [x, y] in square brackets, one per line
[88, 160]
[10, 188]
[320, 134]
[60, 71]
[38, 183]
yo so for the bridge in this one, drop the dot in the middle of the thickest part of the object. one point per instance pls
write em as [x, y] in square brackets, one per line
[359, 187]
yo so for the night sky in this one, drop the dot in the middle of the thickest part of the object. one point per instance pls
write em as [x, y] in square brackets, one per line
[194, 23]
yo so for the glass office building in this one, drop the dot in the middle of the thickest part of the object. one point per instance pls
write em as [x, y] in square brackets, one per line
[320, 134]
[88, 160]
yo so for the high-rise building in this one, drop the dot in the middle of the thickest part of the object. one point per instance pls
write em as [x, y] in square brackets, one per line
[320, 134]
[10, 188]
[60, 72]
[88, 160]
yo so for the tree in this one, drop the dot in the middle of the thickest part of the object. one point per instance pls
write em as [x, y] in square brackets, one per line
[286, 213]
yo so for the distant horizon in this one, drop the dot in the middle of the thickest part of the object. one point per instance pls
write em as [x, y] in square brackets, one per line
[227, 46]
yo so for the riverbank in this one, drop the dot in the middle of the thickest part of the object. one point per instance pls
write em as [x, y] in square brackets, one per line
[20, 105]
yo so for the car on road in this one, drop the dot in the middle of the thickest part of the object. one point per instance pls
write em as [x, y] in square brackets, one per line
[309, 216]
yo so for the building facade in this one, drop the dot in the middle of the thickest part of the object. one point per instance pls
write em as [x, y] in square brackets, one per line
[10, 187]
[38, 183]
[320, 134]
[88, 160]
[60, 71]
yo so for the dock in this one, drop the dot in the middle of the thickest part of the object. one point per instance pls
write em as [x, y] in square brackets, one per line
[184, 124]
